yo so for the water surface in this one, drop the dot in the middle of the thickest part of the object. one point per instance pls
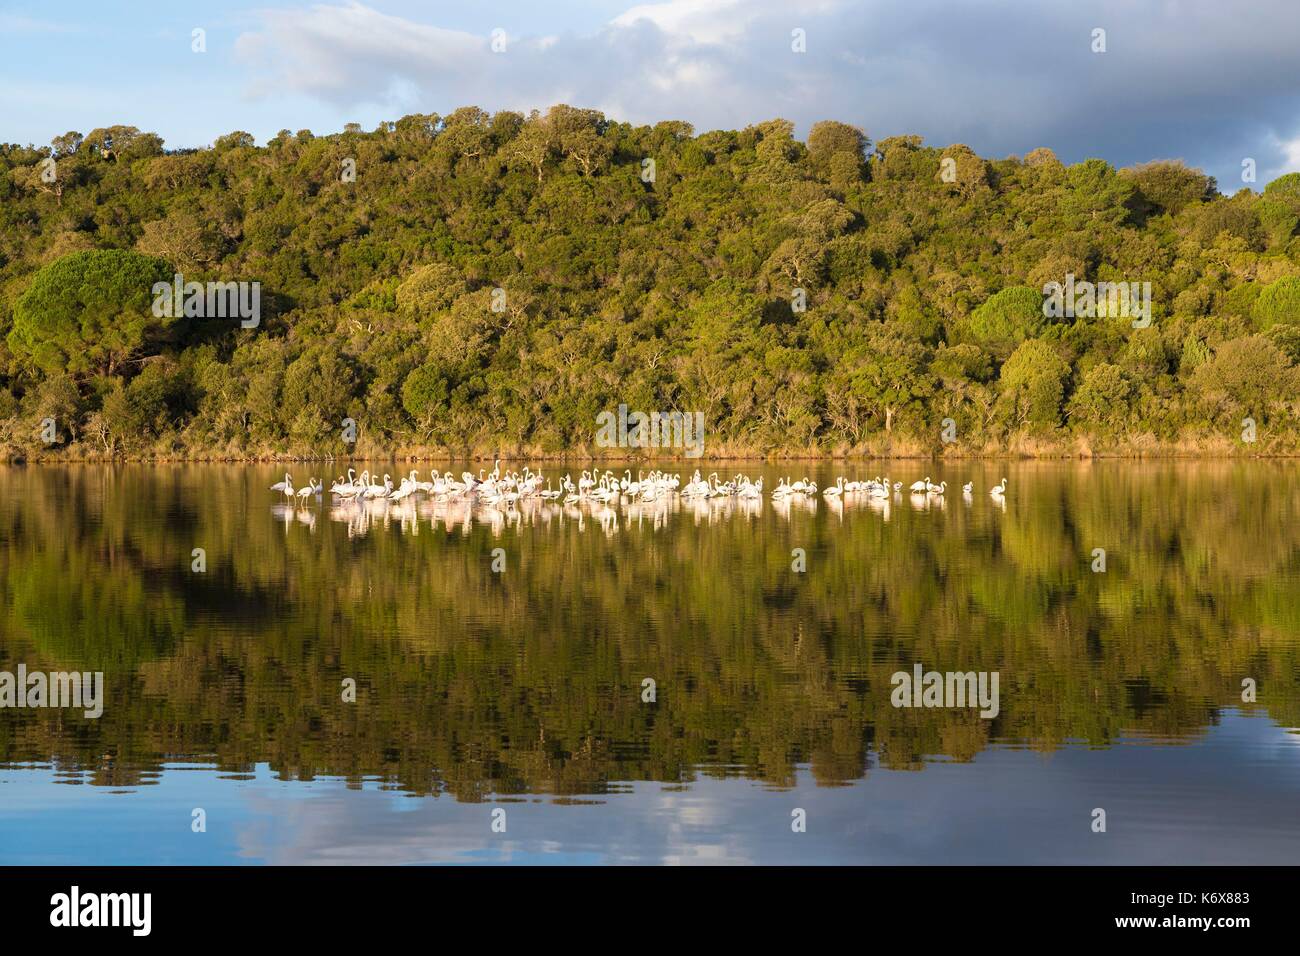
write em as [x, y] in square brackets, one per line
[522, 689]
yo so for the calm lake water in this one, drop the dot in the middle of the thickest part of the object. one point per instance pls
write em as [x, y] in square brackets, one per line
[523, 689]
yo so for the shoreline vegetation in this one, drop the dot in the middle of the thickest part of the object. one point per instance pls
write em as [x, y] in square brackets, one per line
[1078, 450]
[488, 285]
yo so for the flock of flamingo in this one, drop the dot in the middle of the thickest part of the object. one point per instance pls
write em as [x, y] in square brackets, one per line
[509, 489]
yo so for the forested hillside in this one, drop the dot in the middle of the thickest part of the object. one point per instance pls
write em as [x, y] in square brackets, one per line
[490, 283]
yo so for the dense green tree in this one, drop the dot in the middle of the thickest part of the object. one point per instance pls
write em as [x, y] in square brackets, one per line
[837, 152]
[1009, 316]
[1168, 187]
[1285, 189]
[889, 376]
[1101, 403]
[90, 311]
[1278, 302]
[424, 393]
[1033, 382]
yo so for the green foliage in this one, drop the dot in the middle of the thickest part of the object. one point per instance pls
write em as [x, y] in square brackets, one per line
[1286, 190]
[1042, 157]
[1278, 219]
[1278, 303]
[430, 289]
[1287, 339]
[158, 395]
[1168, 187]
[424, 393]
[1101, 403]
[495, 281]
[89, 311]
[1236, 217]
[1009, 316]
[888, 375]
[959, 363]
[1194, 354]
[1033, 383]
[318, 389]
[838, 152]
[1241, 299]
[1247, 376]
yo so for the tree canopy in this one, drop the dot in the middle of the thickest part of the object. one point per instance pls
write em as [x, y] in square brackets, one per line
[89, 311]
[484, 281]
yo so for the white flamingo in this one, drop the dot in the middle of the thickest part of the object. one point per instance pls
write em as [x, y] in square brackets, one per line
[379, 491]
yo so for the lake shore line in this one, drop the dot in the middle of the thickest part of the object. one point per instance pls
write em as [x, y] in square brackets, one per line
[1022, 449]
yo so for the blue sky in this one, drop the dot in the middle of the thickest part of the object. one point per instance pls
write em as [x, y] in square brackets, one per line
[1209, 82]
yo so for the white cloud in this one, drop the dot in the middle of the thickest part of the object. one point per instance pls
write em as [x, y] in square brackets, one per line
[1190, 78]
[351, 52]
[700, 21]
[1290, 152]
